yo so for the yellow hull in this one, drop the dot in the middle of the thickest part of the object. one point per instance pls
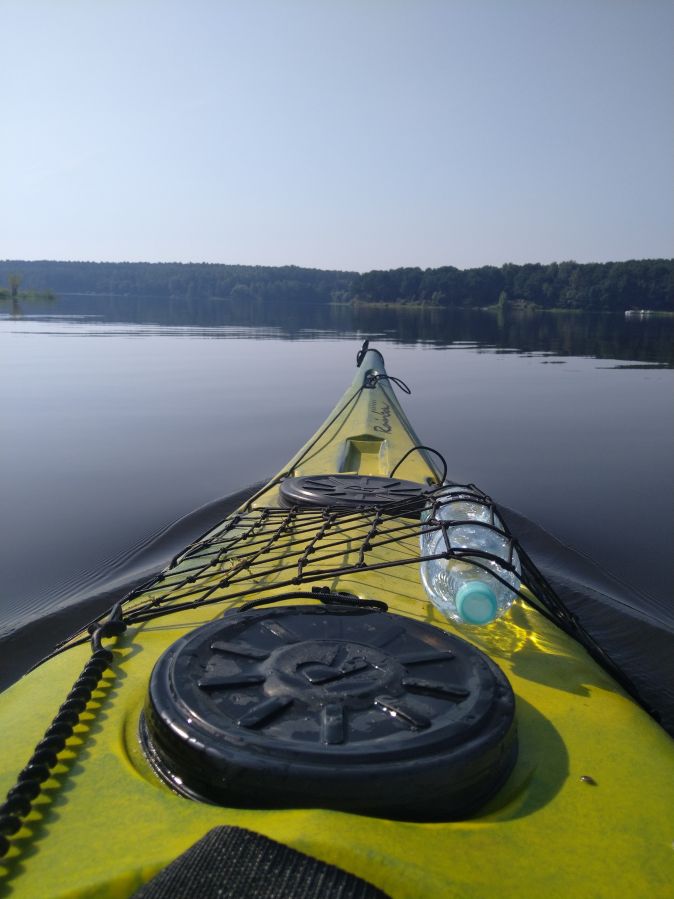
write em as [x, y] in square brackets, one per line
[587, 811]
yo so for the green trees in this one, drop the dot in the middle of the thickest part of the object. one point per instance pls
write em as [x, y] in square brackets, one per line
[608, 287]
[14, 284]
[198, 280]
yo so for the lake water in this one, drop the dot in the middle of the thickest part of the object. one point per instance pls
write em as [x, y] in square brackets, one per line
[121, 415]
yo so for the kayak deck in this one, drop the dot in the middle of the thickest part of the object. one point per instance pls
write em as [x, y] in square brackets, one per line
[591, 793]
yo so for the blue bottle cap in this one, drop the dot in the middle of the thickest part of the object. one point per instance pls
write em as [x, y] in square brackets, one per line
[476, 603]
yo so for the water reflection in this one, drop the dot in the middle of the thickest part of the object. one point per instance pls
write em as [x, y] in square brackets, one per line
[600, 336]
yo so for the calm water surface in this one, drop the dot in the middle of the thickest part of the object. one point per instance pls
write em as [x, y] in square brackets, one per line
[120, 416]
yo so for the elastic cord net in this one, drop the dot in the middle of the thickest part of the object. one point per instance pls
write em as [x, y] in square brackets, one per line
[265, 549]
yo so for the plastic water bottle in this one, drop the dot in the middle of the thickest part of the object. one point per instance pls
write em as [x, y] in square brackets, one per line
[459, 504]
[461, 590]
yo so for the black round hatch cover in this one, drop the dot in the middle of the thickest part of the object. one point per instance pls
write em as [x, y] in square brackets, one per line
[349, 491]
[338, 707]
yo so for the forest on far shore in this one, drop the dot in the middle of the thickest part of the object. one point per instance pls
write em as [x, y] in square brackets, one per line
[600, 286]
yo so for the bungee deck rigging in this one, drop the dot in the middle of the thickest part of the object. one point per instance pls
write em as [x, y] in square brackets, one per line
[263, 548]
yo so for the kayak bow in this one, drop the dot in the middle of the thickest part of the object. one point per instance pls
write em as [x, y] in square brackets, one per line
[287, 675]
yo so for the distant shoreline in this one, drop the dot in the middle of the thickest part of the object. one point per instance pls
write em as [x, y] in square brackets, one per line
[27, 295]
[565, 286]
[520, 309]
[512, 308]
[648, 313]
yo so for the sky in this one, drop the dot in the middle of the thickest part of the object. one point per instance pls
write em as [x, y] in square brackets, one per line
[341, 134]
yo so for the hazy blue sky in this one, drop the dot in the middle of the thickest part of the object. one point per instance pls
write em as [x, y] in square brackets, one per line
[349, 134]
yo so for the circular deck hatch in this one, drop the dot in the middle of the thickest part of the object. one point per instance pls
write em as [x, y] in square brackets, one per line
[338, 706]
[347, 491]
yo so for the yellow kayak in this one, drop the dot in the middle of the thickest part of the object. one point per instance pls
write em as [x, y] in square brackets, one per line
[284, 712]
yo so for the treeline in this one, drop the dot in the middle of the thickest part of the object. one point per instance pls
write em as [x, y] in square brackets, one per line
[609, 286]
[188, 280]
